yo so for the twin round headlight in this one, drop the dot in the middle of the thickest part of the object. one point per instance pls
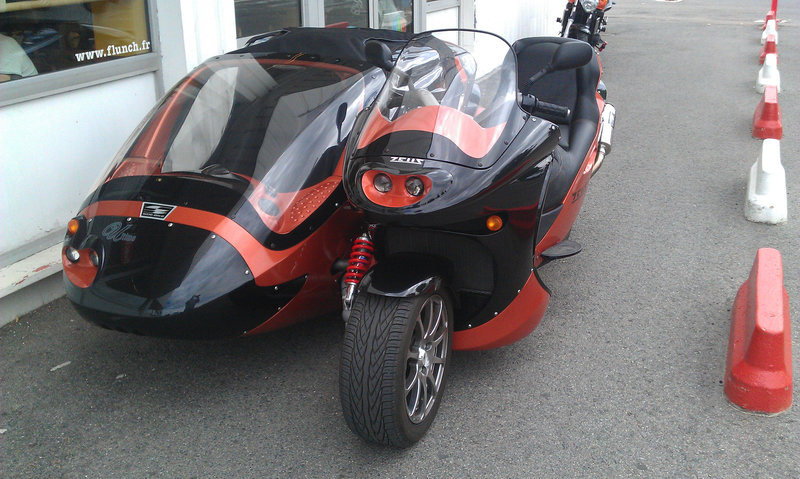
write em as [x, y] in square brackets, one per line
[382, 183]
[414, 185]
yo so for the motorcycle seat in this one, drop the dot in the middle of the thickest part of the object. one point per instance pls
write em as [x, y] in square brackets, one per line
[575, 89]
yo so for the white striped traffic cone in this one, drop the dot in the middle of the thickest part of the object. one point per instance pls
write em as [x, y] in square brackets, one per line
[766, 187]
[769, 74]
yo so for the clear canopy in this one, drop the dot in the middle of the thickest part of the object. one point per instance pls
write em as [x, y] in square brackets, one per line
[263, 119]
[275, 125]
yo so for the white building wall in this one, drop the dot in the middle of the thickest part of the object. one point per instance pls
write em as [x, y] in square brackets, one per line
[53, 149]
[192, 31]
[515, 19]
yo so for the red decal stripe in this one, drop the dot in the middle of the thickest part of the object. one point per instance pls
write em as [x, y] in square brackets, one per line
[259, 259]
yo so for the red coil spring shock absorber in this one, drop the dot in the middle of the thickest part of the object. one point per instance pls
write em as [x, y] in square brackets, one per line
[361, 256]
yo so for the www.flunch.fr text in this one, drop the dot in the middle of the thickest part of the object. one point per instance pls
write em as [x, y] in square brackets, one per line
[113, 51]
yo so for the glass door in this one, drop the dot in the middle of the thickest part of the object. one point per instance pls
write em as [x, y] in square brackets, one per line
[439, 14]
[261, 16]
[395, 15]
[346, 13]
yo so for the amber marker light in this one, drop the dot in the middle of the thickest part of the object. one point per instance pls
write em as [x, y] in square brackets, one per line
[72, 227]
[494, 223]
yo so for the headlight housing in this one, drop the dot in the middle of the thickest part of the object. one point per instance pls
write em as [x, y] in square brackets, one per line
[382, 183]
[589, 5]
[377, 186]
[415, 186]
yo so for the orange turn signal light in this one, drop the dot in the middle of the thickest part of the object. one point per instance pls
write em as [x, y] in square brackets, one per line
[494, 223]
[72, 226]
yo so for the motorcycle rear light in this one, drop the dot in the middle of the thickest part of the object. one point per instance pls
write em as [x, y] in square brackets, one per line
[414, 186]
[72, 254]
[72, 226]
[382, 183]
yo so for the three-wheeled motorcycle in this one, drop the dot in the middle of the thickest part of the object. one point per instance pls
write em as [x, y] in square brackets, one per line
[470, 166]
[224, 212]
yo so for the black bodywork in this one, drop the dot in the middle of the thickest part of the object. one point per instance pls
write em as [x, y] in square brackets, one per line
[483, 269]
[164, 278]
[444, 238]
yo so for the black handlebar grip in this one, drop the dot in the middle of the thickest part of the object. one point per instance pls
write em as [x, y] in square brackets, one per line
[545, 110]
[552, 112]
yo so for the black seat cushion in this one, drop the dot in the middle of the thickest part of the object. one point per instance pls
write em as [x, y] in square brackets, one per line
[574, 89]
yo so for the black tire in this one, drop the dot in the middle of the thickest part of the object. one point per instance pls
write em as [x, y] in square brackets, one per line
[382, 355]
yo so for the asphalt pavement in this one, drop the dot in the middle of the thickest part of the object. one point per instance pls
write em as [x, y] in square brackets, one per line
[623, 378]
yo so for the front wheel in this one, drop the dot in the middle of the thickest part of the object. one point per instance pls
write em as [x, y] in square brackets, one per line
[395, 358]
[580, 35]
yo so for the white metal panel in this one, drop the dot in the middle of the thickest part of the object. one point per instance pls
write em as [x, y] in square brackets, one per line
[447, 18]
[515, 19]
[192, 31]
[209, 29]
[53, 149]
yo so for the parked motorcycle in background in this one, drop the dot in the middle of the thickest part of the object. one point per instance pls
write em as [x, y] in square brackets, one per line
[584, 20]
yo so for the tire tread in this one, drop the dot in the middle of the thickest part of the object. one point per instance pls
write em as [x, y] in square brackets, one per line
[368, 366]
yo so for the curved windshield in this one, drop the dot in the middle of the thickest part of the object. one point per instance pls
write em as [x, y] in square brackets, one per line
[246, 115]
[275, 124]
[457, 86]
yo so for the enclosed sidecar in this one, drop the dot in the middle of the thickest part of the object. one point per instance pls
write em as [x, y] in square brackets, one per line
[224, 213]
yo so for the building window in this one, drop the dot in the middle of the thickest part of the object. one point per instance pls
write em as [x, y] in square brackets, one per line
[396, 15]
[347, 13]
[261, 16]
[43, 36]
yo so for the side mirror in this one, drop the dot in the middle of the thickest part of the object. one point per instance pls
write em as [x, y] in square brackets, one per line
[571, 55]
[379, 54]
[567, 56]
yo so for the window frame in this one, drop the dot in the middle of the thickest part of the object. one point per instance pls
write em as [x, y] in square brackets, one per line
[54, 83]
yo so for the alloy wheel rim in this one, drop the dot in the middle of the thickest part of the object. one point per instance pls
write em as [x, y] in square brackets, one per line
[426, 358]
